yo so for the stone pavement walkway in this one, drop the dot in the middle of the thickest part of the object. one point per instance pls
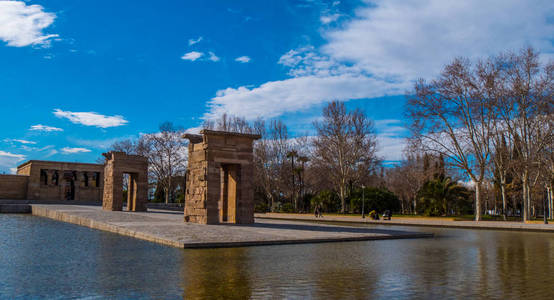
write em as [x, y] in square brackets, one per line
[413, 222]
[168, 228]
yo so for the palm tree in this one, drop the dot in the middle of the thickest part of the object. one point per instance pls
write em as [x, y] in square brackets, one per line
[441, 196]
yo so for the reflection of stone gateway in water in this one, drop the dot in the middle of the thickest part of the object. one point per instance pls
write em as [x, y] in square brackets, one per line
[219, 178]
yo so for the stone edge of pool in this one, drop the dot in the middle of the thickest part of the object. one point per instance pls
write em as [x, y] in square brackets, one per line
[44, 211]
[486, 225]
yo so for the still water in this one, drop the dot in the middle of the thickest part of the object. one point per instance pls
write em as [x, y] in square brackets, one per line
[42, 258]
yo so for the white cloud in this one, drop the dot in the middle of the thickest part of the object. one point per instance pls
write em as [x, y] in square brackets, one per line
[274, 98]
[22, 25]
[98, 144]
[387, 45]
[13, 171]
[413, 38]
[91, 118]
[243, 59]
[68, 150]
[195, 41]
[40, 127]
[213, 57]
[35, 149]
[10, 160]
[192, 56]
[390, 148]
[19, 141]
[391, 140]
[326, 19]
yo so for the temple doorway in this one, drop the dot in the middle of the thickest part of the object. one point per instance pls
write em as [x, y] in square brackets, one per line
[69, 185]
[230, 192]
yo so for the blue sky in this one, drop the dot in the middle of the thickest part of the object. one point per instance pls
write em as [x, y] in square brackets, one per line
[75, 76]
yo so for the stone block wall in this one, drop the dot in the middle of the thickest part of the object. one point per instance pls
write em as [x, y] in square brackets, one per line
[13, 187]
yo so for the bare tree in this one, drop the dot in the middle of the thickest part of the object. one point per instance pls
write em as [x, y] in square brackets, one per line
[229, 123]
[270, 159]
[345, 146]
[525, 107]
[450, 117]
[166, 153]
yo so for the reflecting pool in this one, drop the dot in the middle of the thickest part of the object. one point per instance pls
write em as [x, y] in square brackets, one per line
[42, 258]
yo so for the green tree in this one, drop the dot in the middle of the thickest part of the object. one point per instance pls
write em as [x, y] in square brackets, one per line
[443, 196]
[329, 201]
[378, 199]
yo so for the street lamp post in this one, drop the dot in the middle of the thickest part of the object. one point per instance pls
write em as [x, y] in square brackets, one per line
[363, 201]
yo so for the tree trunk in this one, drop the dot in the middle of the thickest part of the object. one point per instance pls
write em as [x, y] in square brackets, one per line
[551, 195]
[524, 208]
[401, 206]
[168, 190]
[342, 199]
[530, 213]
[503, 194]
[477, 201]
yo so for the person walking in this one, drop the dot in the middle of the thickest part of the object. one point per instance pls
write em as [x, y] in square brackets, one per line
[320, 211]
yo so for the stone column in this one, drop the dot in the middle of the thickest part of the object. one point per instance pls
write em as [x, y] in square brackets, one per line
[140, 189]
[77, 185]
[81, 178]
[131, 189]
[50, 177]
[113, 185]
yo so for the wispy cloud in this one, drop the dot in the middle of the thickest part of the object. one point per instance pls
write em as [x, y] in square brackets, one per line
[192, 56]
[22, 25]
[243, 59]
[20, 141]
[68, 150]
[195, 41]
[40, 127]
[98, 144]
[213, 57]
[51, 153]
[91, 118]
[9, 160]
[326, 19]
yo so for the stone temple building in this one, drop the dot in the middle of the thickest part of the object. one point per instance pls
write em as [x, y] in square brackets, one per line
[219, 181]
[70, 182]
[52, 180]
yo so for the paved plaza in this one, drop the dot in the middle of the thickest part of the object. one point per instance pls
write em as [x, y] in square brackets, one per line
[167, 227]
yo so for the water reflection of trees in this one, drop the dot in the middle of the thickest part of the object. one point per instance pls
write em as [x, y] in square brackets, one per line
[345, 270]
[525, 265]
[216, 274]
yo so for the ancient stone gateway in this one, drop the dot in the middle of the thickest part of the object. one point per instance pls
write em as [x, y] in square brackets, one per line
[117, 164]
[219, 178]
